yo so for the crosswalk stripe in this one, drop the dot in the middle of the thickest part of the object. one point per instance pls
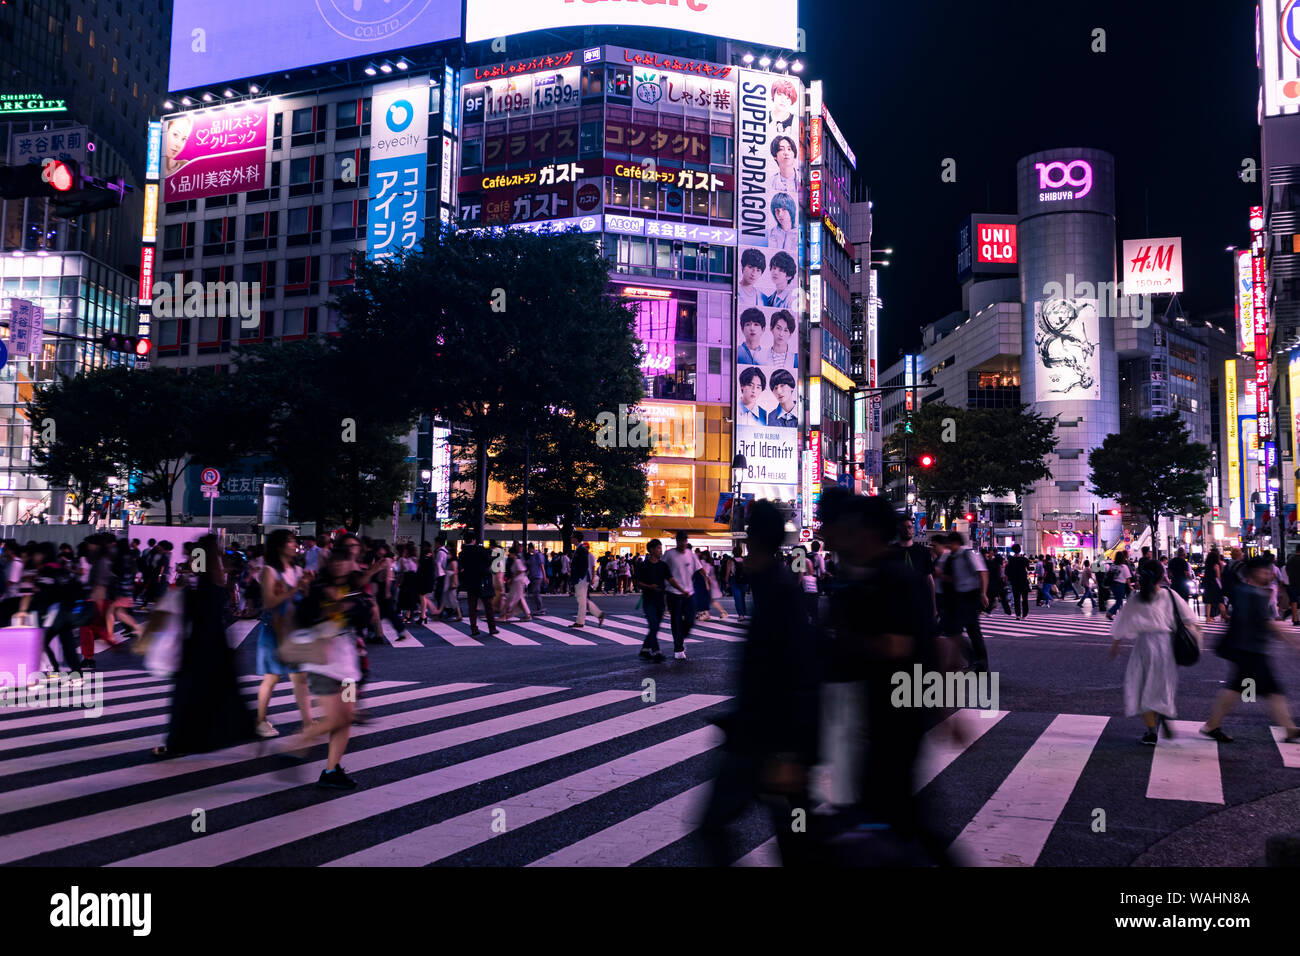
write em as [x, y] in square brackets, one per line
[63, 691]
[940, 748]
[390, 635]
[285, 828]
[554, 633]
[638, 836]
[459, 833]
[665, 631]
[716, 633]
[102, 728]
[238, 632]
[604, 632]
[1186, 767]
[55, 836]
[449, 634]
[766, 853]
[1290, 752]
[1012, 828]
[77, 787]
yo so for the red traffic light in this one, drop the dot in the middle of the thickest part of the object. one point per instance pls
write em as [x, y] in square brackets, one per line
[143, 347]
[59, 175]
[1112, 511]
[927, 461]
[969, 516]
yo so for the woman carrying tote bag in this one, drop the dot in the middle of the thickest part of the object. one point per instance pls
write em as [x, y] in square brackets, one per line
[1151, 679]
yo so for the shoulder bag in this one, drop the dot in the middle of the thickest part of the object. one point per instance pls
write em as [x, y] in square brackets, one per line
[1186, 651]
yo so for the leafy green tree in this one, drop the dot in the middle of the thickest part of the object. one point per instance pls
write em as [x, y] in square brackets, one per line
[977, 451]
[1152, 467]
[341, 451]
[578, 478]
[494, 331]
[76, 440]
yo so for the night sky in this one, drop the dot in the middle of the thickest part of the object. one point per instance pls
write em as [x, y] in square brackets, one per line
[989, 81]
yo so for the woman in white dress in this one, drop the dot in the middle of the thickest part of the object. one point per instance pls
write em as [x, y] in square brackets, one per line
[1151, 680]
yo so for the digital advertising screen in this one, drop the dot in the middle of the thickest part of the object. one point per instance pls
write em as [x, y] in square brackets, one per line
[219, 42]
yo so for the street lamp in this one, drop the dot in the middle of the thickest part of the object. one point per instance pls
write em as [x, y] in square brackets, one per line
[426, 479]
[738, 469]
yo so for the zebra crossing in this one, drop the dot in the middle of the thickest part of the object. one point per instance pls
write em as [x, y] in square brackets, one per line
[1064, 619]
[476, 773]
[544, 629]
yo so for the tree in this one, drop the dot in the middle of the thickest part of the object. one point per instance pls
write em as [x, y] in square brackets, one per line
[340, 449]
[75, 438]
[496, 331]
[585, 481]
[166, 422]
[1152, 467]
[977, 451]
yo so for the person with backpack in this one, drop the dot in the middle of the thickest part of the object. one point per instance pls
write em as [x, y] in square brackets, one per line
[57, 593]
[1087, 578]
[966, 579]
[1151, 678]
[1246, 646]
[1017, 572]
[737, 580]
[1120, 575]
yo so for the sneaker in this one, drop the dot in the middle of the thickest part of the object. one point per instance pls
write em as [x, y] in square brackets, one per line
[646, 654]
[658, 657]
[680, 655]
[53, 677]
[1149, 738]
[1292, 738]
[404, 635]
[577, 625]
[336, 779]
[76, 681]
[266, 729]
[1217, 734]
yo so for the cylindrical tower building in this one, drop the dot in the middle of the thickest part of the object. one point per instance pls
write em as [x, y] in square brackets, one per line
[1071, 302]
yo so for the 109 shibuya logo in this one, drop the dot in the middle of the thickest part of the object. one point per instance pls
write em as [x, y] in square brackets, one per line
[1054, 177]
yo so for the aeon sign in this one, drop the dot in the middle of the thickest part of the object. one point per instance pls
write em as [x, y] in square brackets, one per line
[1057, 181]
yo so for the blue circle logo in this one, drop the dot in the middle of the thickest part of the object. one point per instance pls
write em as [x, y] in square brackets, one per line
[393, 110]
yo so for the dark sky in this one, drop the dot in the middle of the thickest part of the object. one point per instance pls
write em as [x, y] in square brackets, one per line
[989, 81]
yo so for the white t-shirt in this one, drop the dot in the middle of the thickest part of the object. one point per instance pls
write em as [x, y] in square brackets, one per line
[682, 566]
[1122, 573]
[966, 566]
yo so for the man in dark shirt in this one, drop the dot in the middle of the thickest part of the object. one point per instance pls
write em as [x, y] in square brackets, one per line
[880, 626]
[772, 733]
[475, 571]
[1180, 574]
[1252, 624]
[652, 576]
[1017, 574]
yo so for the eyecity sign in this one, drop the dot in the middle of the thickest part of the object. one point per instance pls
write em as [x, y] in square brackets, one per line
[1053, 178]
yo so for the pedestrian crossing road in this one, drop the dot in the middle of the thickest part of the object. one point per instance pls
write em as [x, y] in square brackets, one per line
[625, 629]
[484, 773]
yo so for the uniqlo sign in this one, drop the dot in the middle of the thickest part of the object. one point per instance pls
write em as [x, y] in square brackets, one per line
[995, 243]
